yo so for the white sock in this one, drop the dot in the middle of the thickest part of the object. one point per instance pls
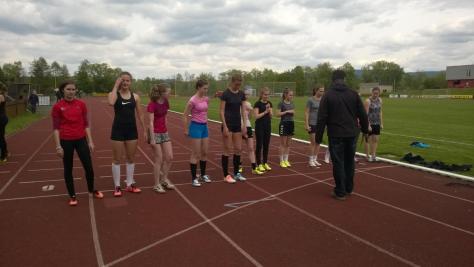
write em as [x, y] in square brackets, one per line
[282, 157]
[311, 158]
[130, 171]
[285, 157]
[116, 174]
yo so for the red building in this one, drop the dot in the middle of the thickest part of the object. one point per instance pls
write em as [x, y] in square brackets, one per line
[460, 76]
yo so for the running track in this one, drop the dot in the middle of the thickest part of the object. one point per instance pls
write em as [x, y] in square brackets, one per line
[396, 216]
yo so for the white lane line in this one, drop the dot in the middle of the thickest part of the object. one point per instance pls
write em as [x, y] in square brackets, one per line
[2, 172]
[95, 233]
[327, 223]
[237, 204]
[217, 229]
[110, 165]
[47, 181]
[419, 187]
[4, 187]
[51, 160]
[124, 175]
[50, 169]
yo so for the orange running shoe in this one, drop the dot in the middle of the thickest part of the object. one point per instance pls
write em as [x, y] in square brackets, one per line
[98, 194]
[118, 191]
[133, 189]
[73, 201]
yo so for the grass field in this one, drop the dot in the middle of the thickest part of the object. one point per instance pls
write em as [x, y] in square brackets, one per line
[22, 121]
[446, 125]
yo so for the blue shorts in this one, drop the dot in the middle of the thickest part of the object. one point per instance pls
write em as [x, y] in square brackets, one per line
[198, 130]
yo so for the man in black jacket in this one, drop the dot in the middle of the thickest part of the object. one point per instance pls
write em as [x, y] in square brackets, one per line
[342, 110]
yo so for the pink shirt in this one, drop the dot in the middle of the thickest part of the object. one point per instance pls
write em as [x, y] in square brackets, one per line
[160, 111]
[199, 108]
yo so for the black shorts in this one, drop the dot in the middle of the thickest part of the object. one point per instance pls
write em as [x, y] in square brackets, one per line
[233, 128]
[375, 130]
[249, 133]
[124, 133]
[287, 128]
[312, 129]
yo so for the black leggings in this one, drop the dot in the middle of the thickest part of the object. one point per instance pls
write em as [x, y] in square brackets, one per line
[262, 135]
[3, 142]
[82, 149]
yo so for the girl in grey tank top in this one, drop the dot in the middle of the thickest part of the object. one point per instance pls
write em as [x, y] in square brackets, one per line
[311, 118]
[373, 107]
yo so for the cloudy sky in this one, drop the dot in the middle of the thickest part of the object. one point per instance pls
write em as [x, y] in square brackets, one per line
[162, 37]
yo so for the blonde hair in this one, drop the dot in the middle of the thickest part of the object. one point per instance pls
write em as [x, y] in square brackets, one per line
[157, 91]
[262, 91]
[285, 93]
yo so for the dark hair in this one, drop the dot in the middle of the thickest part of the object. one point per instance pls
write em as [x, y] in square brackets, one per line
[285, 93]
[338, 75]
[376, 88]
[263, 90]
[236, 77]
[200, 83]
[316, 89]
[157, 91]
[64, 84]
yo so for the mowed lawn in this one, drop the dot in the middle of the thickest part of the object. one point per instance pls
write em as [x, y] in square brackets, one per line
[446, 125]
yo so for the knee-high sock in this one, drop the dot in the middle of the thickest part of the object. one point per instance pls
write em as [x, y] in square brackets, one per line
[130, 171]
[116, 174]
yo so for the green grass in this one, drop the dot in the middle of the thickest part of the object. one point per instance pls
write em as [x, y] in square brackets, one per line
[446, 125]
[22, 121]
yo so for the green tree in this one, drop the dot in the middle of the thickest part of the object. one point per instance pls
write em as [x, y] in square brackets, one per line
[83, 79]
[351, 78]
[13, 72]
[383, 72]
[324, 74]
[40, 73]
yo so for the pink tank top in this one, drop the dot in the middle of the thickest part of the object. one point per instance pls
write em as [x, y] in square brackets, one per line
[199, 108]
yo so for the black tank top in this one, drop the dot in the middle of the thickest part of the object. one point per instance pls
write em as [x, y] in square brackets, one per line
[2, 109]
[124, 111]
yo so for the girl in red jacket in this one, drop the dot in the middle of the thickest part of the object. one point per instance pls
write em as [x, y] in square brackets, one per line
[71, 132]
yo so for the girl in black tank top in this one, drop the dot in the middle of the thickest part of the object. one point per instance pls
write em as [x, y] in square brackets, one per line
[124, 111]
[124, 131]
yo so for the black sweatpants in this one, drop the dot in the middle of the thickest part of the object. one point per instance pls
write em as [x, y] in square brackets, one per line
[342, 151]
[262, 136]
[82, 149]
[3, 142]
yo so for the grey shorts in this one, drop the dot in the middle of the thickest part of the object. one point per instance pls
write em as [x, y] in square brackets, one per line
[160, 138]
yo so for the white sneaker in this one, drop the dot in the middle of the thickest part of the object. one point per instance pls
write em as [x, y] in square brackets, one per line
[196, 183]
[370, 159]
[206, 179]
[312, 163]
[317, 163]
[239, 177]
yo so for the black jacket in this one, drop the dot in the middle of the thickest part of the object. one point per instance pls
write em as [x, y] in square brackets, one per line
[342, 110]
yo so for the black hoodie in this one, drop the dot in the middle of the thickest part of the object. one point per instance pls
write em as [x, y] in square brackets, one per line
[341, 109]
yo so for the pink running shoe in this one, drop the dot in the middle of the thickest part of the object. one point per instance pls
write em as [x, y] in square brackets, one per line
[98, 194]
[229, 179]
[118, 192]
[72, 201]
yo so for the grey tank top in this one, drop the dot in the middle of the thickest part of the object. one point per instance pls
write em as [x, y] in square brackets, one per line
[375, 106]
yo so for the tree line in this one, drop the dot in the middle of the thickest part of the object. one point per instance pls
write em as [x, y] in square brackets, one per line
[100, 77]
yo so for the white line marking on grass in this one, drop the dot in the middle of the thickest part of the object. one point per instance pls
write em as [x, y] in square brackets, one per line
[95, 233]
[418, 187]
[46, 181]
[427, 138]
[4, 187]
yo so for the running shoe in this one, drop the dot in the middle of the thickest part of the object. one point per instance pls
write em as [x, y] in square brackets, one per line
[241, 169]
[98, 194]
[257, 171]
[133, 189]
[196, 183]
[73, 201]
[229, 179]
[261, 168]
[206, 179]
[159, 189]
[283, 164]
[287, 163]
[166, 183]
[267, 167]
[370, 159]
[118, 191]
[334, 195]
[312, 163]
[239, 177]
[317, 163]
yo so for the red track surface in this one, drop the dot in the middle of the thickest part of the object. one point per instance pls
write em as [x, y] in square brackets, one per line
[397, 216]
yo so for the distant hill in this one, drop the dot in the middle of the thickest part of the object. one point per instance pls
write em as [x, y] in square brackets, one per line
[429, 73]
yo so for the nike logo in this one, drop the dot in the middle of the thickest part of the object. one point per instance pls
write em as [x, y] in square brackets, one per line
[124, 103]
